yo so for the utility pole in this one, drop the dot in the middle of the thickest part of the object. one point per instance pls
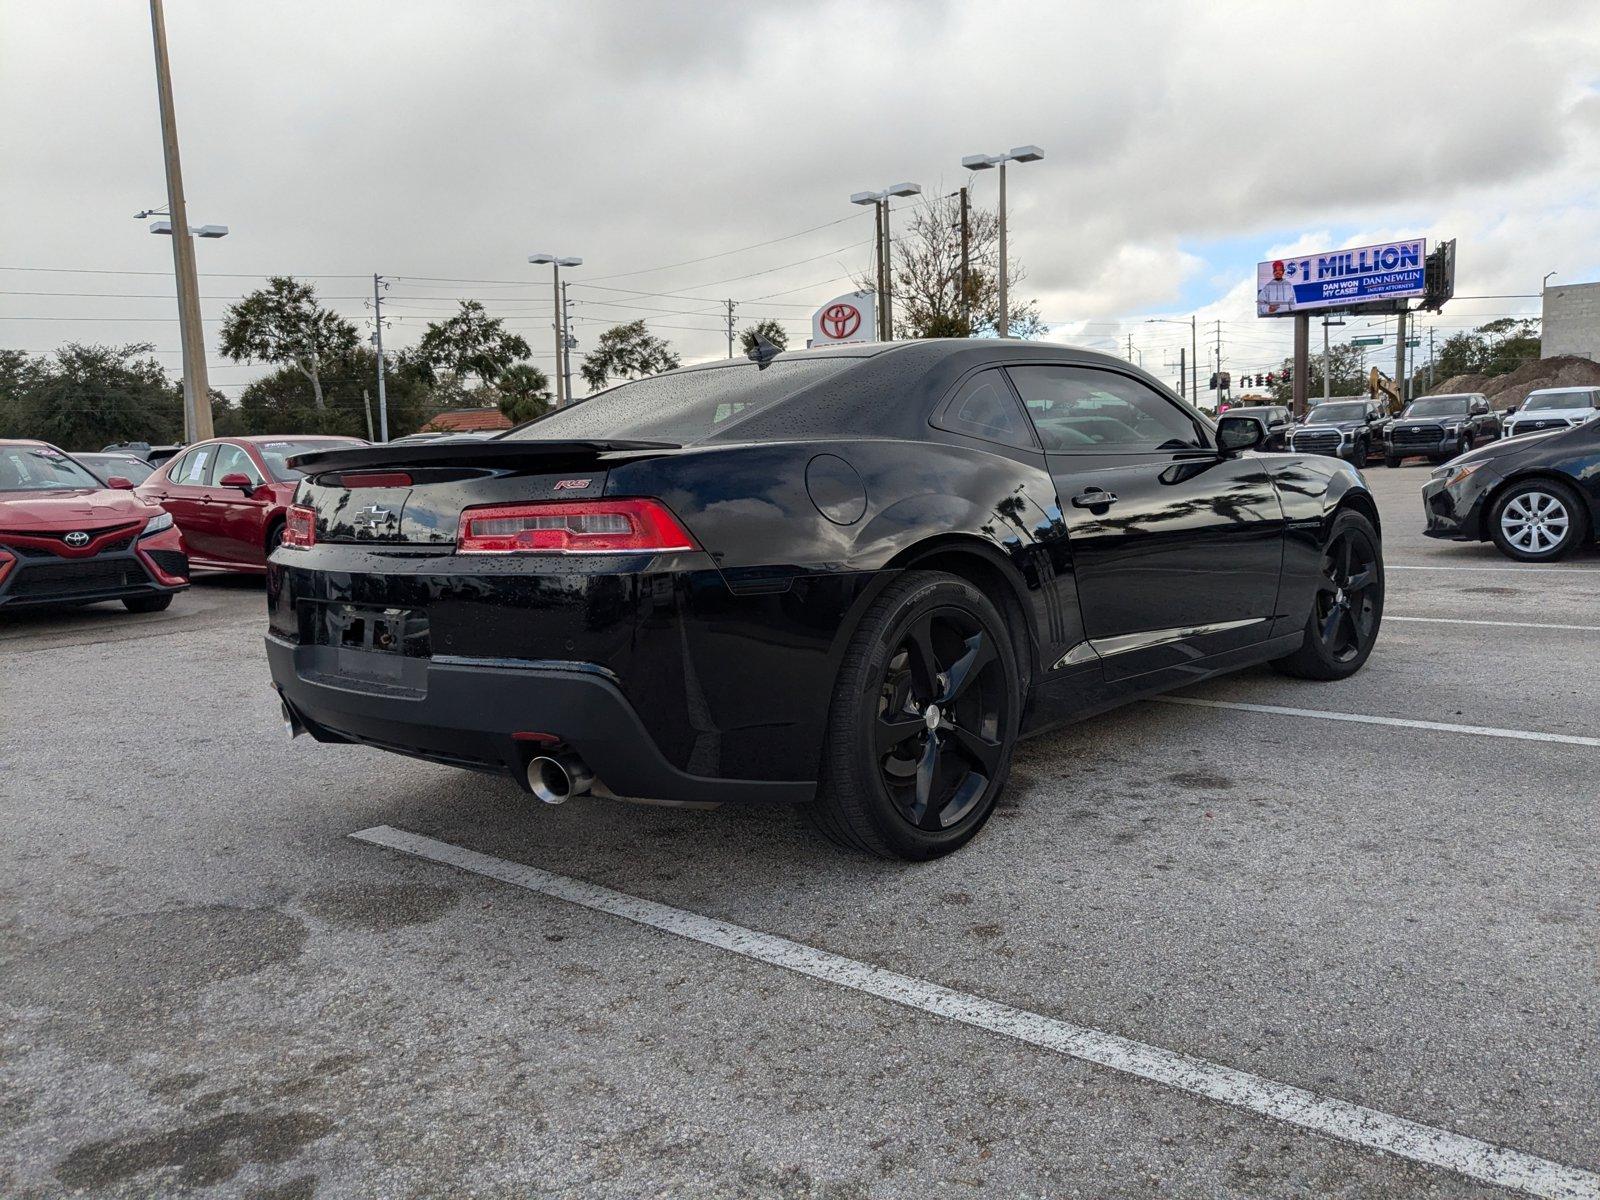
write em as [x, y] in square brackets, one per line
[1430, 358]
[1005, 305]
[1194, 355]
[1302, 362]
[1130, 347]
[561, 336]
[196, 387]
[1400, 355]
[1219, 366]
[377, 341]
[366, 407]
[966, 265]
[729, 303]
[1183, 382]
[568, 342]
[886, 275]
[1326, 360]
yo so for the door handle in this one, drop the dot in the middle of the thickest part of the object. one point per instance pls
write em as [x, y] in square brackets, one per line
[1094, 498]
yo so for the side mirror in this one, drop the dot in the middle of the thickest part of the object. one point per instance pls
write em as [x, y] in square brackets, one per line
[237, 479]
[1239, 432]
[121, 483]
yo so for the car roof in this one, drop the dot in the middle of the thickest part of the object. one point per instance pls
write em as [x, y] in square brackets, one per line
[1450, 396]
[1561, 391]
[22, 442]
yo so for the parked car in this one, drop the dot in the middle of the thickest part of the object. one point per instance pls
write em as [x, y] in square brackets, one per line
[1277, 419]
[1441, 427]
[847, 578]
[154, 455]
[229, 496]
[1353, 430]
[117, 466]
[1537, 497]
[1554, 408]
[67, 538]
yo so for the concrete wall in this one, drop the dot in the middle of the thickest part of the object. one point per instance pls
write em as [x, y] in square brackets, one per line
[1571, 321]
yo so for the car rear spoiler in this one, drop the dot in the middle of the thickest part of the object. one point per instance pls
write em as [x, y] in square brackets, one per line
[497, 452]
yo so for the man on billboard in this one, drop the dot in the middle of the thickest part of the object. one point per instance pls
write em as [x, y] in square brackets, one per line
[1276, 295]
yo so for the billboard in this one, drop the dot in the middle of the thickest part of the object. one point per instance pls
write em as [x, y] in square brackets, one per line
[852, 317]
[1341, 278]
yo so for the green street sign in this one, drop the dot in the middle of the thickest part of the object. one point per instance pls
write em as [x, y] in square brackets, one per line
[1366, 341]
[1413, 341]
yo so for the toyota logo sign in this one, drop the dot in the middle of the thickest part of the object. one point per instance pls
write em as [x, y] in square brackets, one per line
[77, 539]
[848, 318]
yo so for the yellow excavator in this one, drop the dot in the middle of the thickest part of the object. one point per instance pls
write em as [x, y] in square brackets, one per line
[1379, 384]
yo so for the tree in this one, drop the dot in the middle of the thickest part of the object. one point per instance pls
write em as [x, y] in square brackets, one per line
[283, 402]
[769, 329]
[470, 343]
[926, 262]
[1347, 374]
[1497, 348]
[86, 396]
[524, 392]
[283, 323]
[627, 352]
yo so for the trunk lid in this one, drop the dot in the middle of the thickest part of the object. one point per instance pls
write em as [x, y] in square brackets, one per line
[414, 495]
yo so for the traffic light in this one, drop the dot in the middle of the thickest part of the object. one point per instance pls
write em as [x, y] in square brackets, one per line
[1271, 379]
[1288, 375]
[1213, 384]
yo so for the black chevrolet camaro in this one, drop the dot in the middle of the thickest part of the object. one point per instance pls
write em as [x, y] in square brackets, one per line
[848, 579]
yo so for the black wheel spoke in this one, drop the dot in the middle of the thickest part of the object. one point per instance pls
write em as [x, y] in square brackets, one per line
[1330, 624]
[1360, 580]
[923, 813]
[922, 660]
[1347, 551]
[1350, 628]
[980, 653]
[983, 754]
[895, 729]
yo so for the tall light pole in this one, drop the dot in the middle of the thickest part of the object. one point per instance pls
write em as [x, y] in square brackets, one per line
[982, 162]
[885, 264]
[1194, 349]
[557, 316]
[191, 334]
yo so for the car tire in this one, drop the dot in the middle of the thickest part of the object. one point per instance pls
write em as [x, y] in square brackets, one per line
[1526, 518]
[1391, 460]
[1463, 445]
[147, 604]
[892, 784]
[1347, 608]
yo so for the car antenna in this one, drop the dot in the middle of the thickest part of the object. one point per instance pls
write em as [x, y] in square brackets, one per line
[762, 350]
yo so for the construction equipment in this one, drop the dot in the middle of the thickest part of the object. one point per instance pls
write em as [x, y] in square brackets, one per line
[1380, 384]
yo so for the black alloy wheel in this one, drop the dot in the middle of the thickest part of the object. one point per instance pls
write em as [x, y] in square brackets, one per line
[1347, 606]
[922, 722]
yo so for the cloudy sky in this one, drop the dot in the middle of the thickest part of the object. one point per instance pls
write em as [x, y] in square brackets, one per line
[440, 143]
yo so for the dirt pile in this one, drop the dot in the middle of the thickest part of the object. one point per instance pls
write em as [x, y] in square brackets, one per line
[1506, 390]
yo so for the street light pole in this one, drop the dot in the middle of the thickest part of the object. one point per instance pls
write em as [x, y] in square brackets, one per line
[982, 162]
[377, 342]
[196, 387]
[557, 318]
[883, 266]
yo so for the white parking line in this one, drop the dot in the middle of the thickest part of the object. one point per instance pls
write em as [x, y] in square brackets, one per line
[1296, 1106]
[1514, 570]
[1520, 735]
[1500, 624]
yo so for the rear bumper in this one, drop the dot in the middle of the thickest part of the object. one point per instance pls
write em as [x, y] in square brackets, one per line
[469, 713]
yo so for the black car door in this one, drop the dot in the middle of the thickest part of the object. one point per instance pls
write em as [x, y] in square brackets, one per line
[1177, 548]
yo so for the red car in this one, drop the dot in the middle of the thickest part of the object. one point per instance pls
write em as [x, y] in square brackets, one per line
[229, 496]
[66, 538]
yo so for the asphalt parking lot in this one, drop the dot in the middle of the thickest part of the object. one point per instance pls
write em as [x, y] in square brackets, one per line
[212, 988]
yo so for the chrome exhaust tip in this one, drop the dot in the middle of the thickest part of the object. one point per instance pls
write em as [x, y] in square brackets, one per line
[557, 778]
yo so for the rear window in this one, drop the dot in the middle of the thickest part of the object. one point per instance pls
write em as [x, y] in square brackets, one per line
[1438, 406]
[682, 407]
[275, 452]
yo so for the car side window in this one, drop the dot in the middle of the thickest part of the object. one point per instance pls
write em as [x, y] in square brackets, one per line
[231, 459]
[986, 408]
[195, 469]
[1085, 409]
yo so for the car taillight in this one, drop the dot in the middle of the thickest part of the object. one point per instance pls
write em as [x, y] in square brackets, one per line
[572, 527]
[7, 561]
[300, 527]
